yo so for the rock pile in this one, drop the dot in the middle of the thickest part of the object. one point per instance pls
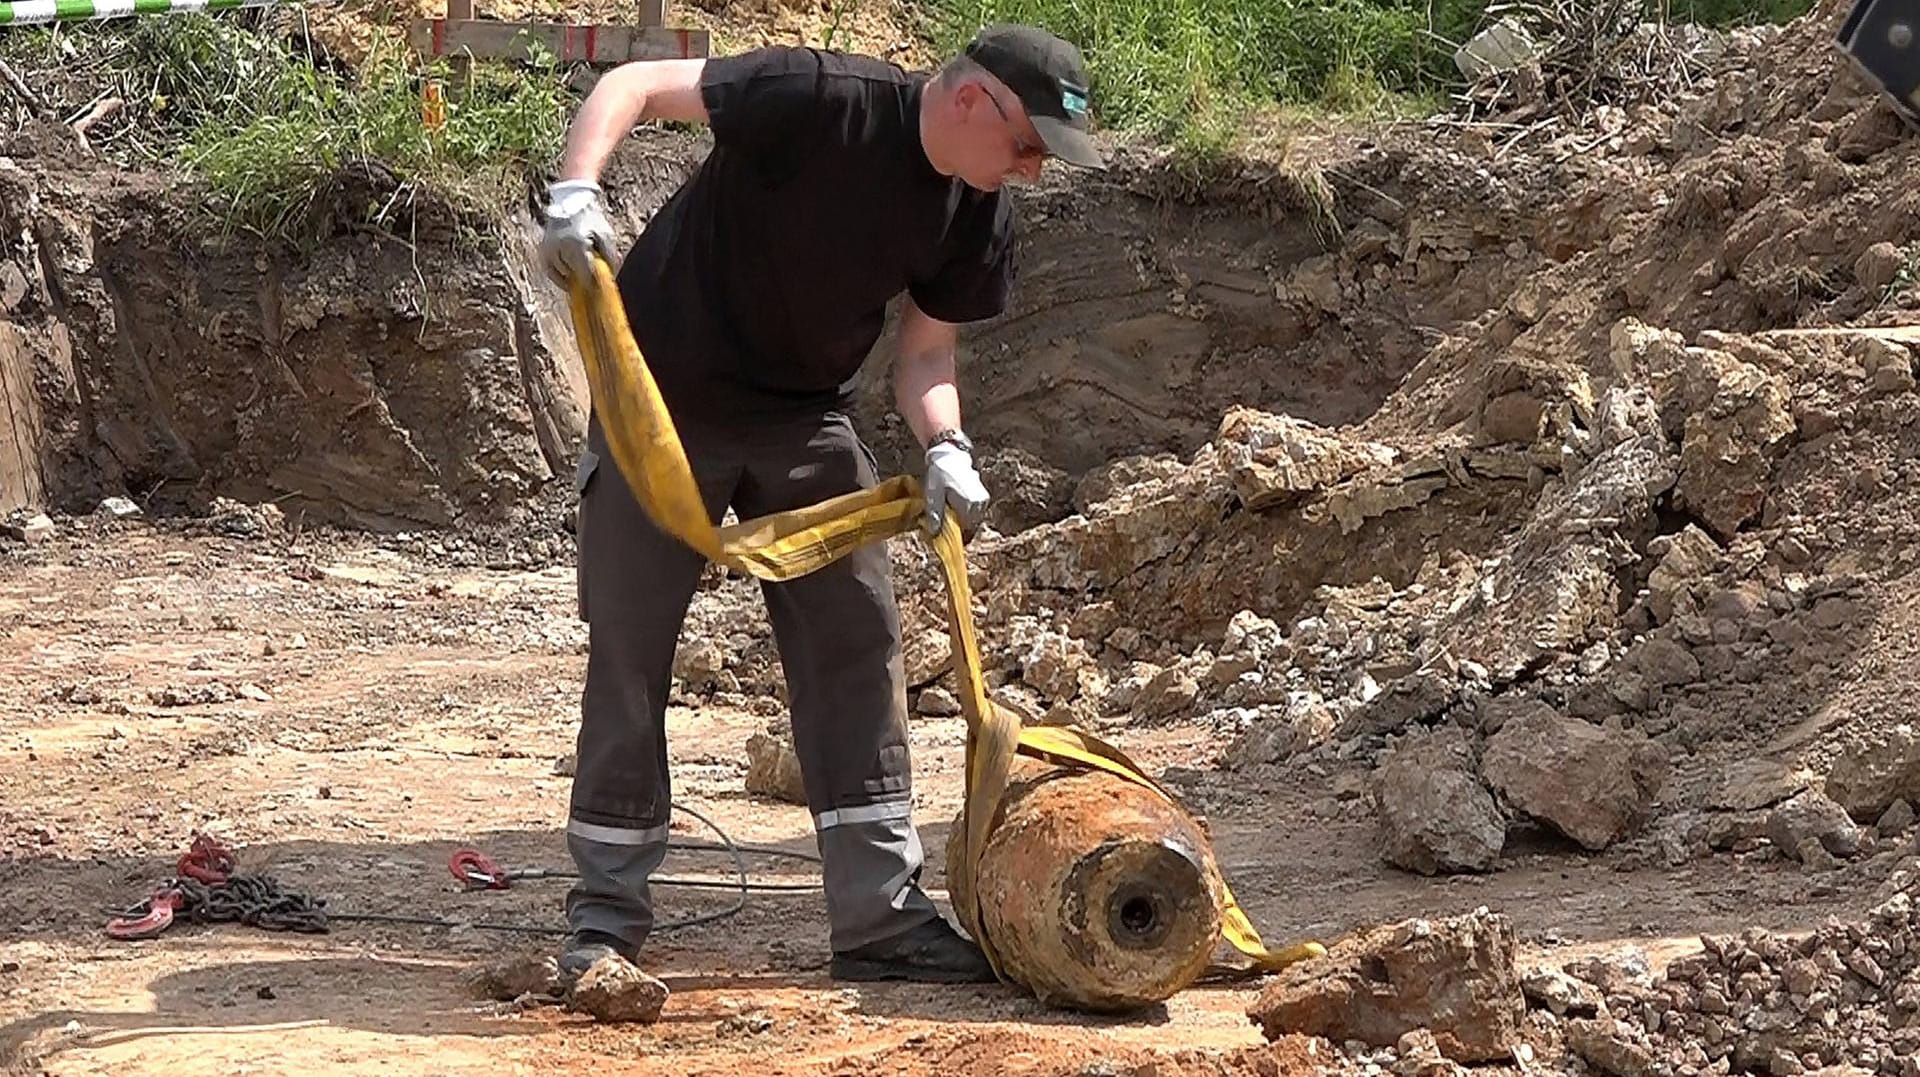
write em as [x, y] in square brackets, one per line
[1842, 994]
[1757, 1002]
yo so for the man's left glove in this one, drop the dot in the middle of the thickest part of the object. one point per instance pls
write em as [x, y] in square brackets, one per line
[952, 480]
[576, 228]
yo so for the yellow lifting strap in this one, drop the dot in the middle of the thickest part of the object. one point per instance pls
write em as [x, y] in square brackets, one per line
[784, 545]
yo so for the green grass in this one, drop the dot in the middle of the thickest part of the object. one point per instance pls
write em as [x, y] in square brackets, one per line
[1186, 70]
[268, 130]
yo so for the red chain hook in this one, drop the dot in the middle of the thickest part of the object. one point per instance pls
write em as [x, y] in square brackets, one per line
[477, 870]
[205, 861]
[160, 909]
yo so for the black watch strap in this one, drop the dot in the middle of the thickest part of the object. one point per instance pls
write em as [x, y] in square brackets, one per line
[951, 436]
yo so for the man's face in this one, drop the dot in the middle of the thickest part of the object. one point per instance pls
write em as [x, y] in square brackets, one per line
[997, 140]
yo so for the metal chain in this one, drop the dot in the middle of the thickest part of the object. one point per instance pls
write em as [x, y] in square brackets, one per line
[256, 900]
[262, 901]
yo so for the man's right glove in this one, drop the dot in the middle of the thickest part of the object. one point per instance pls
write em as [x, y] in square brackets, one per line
[576, 228]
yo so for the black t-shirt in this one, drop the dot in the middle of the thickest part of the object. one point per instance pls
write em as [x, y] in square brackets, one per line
[762, 285]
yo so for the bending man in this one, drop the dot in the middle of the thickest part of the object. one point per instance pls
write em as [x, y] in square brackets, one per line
[835, 184]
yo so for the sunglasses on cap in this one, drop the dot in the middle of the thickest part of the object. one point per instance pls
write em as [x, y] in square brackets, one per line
[1025, 150]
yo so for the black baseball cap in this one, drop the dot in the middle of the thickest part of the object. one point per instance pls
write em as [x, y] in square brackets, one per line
[1050, 78]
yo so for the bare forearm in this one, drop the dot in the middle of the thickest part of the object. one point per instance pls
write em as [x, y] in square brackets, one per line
[616, 104]
[626, 95]
[925, 393]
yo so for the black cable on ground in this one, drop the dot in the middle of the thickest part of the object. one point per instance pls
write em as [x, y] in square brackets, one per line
[763, 850]
[260, 901]
[739, 870]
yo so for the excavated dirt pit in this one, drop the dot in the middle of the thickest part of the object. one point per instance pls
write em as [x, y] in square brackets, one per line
[1534, 532]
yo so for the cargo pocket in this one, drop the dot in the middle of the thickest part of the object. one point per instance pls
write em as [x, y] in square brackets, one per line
[582, 476]
[841, 428]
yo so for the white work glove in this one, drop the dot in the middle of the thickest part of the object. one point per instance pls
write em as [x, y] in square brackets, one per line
[951, 480]
[576, 228]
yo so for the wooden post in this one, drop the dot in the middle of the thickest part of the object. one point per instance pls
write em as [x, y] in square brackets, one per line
[460, 62]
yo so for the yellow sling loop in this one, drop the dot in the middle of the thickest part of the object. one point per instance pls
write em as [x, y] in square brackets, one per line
[785, 545]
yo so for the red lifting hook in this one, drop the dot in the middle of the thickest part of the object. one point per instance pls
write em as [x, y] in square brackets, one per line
[207, 861]
[477, 870]
[160, 909]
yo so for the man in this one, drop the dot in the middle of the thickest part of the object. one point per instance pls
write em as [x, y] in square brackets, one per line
[835, 184]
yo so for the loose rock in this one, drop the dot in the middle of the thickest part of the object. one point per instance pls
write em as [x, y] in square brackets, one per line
[1420, 1056]
[1873, 772]
[1690, 556]
[1170, 693]
[1896, 819]
[1878, 265]
[699, 663]
[1454, 977]
[1812, 815]
[510, 978]
[1609, 1046]
[937, 702]
[1738, 420]
[1027, 490]
[1278, 732]
[1594, 785]
[1563, 994]
[927, 655]
[33, 528]
[1435, 814]
[614, 990]
[1665, 663]
[1275, 458]
[773, 768]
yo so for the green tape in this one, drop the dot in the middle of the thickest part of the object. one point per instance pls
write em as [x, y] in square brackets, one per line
[23, 12]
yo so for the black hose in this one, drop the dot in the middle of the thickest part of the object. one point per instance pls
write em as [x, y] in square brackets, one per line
[262, 902]
[763, 850]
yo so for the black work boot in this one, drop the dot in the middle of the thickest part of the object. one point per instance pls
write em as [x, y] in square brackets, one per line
[933, 952]
[583, 948]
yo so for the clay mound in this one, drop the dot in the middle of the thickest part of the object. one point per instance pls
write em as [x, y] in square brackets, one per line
[1546, 427]
[1638, 516]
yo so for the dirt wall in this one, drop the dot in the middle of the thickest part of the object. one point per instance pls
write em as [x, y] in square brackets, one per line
[374, 380]
[1145, 306]
[432, 381]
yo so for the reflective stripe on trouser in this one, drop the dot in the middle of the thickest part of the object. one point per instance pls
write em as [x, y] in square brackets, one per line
[838, 634]
[871, 868]
[612, 894]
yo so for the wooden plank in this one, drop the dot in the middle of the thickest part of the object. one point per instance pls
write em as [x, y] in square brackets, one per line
[459, 9]
[22, 482]
[653, 12]
[570, 42]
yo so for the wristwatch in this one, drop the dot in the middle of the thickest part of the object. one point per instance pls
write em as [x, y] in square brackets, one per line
[951, 436]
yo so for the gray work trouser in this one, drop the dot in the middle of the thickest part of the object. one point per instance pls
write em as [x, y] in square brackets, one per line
[838, 634]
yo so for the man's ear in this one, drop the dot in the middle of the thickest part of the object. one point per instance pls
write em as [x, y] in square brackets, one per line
[966, 97]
